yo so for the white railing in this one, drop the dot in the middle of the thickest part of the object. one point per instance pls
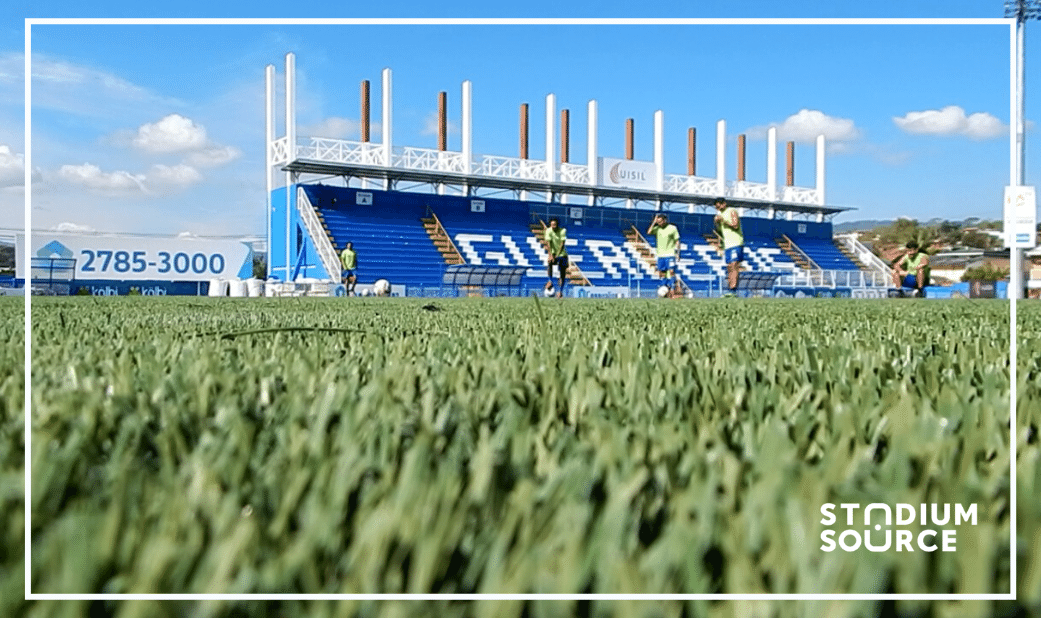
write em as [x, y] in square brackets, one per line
[428, 160]
[424, 159]
[865, 255]
[279, 151]
[574, 174]
[749, 190]
[510, 167]
[800, 195]
[834, 279]
[694, 185]
[321, 241]
[339, 151]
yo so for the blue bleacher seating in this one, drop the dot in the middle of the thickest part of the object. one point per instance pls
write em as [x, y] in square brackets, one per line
[391, 242]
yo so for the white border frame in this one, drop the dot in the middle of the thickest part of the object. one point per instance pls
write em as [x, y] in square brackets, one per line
[1013, 122]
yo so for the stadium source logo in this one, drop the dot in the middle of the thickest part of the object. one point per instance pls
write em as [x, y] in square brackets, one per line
[905, 528]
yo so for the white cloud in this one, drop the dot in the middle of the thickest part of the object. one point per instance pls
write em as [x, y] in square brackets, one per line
[12, 168]
[430, 125]
[807, 124]
[212, 157]
[160, 179]
[176, 175]
[174, 133]
[91, 177]
[952, 120]
[66, 226]
[77, 88]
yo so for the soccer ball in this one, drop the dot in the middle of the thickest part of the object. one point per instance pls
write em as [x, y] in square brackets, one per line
[548, 292]
[381, 287]
[663, 291]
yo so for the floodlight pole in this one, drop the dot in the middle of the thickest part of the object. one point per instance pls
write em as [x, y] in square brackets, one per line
[1021, 10]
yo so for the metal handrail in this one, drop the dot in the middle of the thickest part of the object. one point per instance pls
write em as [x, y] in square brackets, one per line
[319, 237]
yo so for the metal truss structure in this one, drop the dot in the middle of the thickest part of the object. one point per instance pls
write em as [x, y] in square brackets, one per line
[446, 171]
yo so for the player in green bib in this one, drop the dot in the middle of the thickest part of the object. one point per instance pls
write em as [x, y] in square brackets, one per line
[667, 250]
[732, 240]
[911, 270]
[349, 262]
[556, 241]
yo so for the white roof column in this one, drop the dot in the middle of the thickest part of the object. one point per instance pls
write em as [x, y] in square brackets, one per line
[721, 159]
[467, 127]
[659, 152]
[269, 124]
[591, 159]
[771, 163]
[820, 170]
[387, 124]
[551, 166]
[290, 149]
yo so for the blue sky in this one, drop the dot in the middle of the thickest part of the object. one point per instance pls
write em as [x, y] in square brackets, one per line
[159, 128]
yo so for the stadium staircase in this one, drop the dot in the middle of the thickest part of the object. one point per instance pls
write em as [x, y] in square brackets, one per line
[647, 255]
[849, 255]
[823, 253]
[865, 257]
[442, 241]
[796, 254]
[574, 274]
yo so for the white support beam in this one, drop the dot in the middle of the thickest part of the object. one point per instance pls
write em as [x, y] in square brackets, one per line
[659, 152]
[468, 142]
[291, 106]
[269, 124]
[291, 151]
[721, 158]
[771, 164]
[551, 112]
[387, 124]
[591, 156]
[820, 170]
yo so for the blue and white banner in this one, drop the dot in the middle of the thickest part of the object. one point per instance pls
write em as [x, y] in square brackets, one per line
[125, 258]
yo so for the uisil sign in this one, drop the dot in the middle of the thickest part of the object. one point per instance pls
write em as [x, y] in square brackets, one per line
[624, 173]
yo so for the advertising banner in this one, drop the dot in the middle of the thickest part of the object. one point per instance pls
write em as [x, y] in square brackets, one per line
[126, 258]
[623, 173]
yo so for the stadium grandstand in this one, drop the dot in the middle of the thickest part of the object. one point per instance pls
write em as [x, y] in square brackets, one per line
[413, 214]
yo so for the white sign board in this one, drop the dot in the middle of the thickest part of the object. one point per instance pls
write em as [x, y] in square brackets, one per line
[1020, 217]
[623, 173]
[123, 258]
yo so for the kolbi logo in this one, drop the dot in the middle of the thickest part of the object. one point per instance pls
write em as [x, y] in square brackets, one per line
[878, 536]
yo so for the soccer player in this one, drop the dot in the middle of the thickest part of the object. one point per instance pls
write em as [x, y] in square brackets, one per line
[911, 270]
[667, 241]
[731, 238]
[556, 239]
[349, 261]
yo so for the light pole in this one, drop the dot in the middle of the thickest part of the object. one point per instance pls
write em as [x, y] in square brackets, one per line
[1021, 10]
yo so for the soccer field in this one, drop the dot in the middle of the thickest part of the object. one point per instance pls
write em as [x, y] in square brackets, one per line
[511, 446]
